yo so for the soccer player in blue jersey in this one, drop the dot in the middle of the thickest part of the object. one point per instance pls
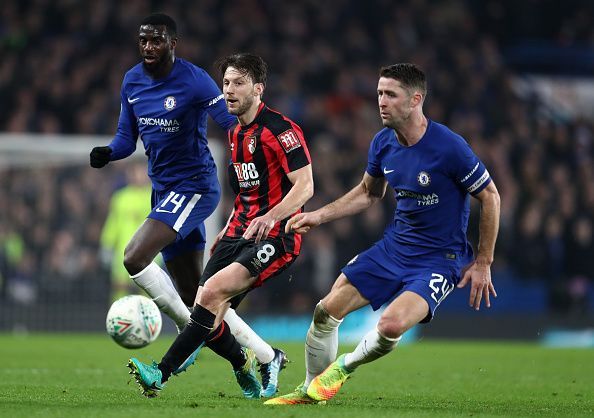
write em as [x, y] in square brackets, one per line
[165, 101]
[424, 253]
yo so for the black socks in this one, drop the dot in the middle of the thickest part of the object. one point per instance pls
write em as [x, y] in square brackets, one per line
[195, 333]
[222, 342]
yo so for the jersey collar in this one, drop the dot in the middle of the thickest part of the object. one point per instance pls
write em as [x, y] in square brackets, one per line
[256, 119]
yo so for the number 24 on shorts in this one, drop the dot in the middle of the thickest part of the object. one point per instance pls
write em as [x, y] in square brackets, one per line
[439, 292]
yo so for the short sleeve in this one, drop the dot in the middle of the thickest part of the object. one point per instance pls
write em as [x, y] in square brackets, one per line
[468, 170]
[293, 153]
[374, 165]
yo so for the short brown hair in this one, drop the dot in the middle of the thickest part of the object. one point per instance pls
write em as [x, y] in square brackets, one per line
[247, 64]
[411, 76]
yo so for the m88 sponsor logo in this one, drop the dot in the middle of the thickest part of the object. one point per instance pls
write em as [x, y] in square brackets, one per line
[247, 174]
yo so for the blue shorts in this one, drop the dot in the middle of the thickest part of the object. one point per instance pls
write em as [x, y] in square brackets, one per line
[380, 276]
[185, 212]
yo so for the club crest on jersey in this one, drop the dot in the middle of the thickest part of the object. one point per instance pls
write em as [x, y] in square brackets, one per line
[169, 102]
[252, 144]
[424, 179]
[289, 140]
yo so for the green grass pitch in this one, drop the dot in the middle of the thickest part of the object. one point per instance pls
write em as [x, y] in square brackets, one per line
[80, 375]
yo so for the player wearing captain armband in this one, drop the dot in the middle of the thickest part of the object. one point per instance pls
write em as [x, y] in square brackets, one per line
[424, 254]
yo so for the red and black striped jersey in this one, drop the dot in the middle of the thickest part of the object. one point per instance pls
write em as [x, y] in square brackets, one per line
[262, 154]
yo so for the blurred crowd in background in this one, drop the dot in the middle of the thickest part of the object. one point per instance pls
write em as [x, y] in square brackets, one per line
[63, 62]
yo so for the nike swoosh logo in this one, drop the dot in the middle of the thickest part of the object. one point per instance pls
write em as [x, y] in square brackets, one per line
[386, 171]
[133, 100]
[163, 210]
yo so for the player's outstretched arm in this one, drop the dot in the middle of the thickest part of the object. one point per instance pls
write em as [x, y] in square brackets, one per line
[301, 192]
[479, 272]
[370, 190]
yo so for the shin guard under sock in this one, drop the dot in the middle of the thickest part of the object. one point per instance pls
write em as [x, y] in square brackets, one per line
[222, 342]
[195, 333]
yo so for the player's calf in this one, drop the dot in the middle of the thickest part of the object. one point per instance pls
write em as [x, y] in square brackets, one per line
[373, 346]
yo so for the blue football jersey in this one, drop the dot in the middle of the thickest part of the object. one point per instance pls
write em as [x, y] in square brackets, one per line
[432, 180]
[170, 116]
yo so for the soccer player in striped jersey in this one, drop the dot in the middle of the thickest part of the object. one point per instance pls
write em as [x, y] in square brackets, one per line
[165, 101]
[424, 253]
[272, 164]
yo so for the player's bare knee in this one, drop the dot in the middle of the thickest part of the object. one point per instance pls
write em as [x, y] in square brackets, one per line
[322, 320]
[210, 298]
[207, 295]
[134, 261]
[392, 327]
[320, 315]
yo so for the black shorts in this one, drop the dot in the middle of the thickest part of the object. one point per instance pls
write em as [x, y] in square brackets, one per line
[263, 260]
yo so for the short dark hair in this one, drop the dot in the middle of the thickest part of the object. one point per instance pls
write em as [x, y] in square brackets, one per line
[158, 19]
[411, 76]
[248, 64]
